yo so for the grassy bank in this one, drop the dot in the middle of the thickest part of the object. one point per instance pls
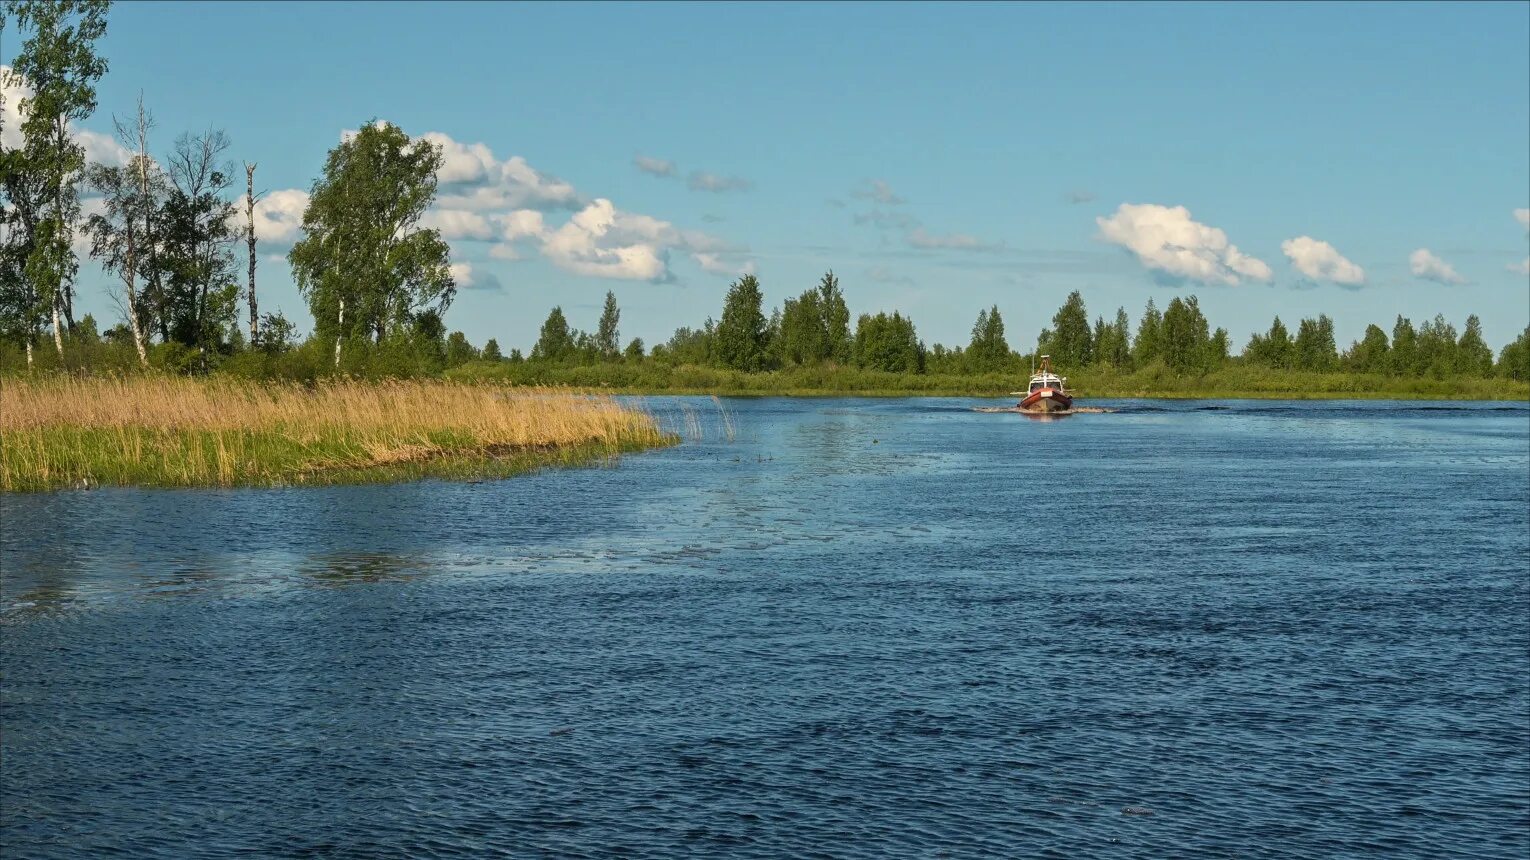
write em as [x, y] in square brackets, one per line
[179, 432]
[1156, 381]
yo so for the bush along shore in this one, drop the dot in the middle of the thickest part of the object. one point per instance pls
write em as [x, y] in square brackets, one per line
[62, 432]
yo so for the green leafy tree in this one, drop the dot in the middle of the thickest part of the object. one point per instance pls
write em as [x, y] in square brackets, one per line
[458, 350]
[1436, 347]
[1473, 356]
[607, 335]
[888, 343]
[1112, 341]
[58, 62]
[1186, 337]
[691, 346]
[804, 332]
[836, 319]
[364, 263]
[1071, 343]
[277, 334]
[1404, 347]
[555, 342]
[1314, 346]
[634, 351]
[1514, 360]
[1272, 349]
[741, 333]
[1149, 344]
[197, 303]
[988, 349]
[491, 351]
[1370, 354]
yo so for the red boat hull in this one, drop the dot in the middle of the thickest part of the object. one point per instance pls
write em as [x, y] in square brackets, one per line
[1047, 400]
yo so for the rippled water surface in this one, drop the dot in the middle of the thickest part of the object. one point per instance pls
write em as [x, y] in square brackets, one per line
[858, 628]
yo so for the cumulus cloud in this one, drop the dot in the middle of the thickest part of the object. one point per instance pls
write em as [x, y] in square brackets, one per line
[1427, 266]
[921, 238]
[1167, 240]
[1320, 261]
[469, 278]
[458, 224]
[604, 241]
[700, 180]
[1523, 217]
[1520, 268]
[661, 167]
[878, 191]
[278, 216]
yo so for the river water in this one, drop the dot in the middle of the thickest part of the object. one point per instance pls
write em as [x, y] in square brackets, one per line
[835, 628]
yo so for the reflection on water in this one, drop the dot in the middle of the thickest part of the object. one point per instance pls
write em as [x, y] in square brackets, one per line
[856, 627]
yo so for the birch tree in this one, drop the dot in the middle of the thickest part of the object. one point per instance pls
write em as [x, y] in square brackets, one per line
[364, 264]
[59, 63]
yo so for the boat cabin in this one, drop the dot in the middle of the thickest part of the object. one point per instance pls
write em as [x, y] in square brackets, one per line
[1046, 380]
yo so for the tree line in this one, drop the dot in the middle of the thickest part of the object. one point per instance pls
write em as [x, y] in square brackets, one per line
[813, 330]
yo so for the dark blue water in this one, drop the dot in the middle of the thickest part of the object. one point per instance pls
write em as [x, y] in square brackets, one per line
[861, 628]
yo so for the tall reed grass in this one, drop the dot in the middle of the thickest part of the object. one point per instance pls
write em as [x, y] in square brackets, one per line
[173, 431]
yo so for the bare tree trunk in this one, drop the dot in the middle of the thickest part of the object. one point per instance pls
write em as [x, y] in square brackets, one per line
[129, 279]
[152, 287]
[29, 353]
[340, 333]
[249, 210]
[58, 337]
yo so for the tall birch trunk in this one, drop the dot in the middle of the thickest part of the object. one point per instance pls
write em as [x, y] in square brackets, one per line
[249, 211]
[340, 333]
[58, 336]
[129, 280]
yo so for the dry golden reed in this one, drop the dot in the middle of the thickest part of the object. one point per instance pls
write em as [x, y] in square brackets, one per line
[175, 431]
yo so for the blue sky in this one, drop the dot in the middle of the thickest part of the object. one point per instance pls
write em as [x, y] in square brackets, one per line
[939, 158]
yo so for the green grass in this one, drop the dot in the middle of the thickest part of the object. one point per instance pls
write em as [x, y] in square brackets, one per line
[1157, 381]
[90, 457]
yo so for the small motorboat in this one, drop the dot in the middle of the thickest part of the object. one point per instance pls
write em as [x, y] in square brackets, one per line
[1047, 391]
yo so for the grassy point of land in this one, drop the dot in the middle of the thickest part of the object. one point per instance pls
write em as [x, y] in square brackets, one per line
[60, 432]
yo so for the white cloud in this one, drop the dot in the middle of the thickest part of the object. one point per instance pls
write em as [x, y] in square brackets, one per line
[1166, 239]
[602, 241]
[701, 180]
[456, 224]
[879, 191]
[279, 215]
[1320, 261]
[1520, 268]
[1523, 217]
[716, 264]
[468, 278]
[521, 224]
[920, 238]
[1431, 268]
[656, 166]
